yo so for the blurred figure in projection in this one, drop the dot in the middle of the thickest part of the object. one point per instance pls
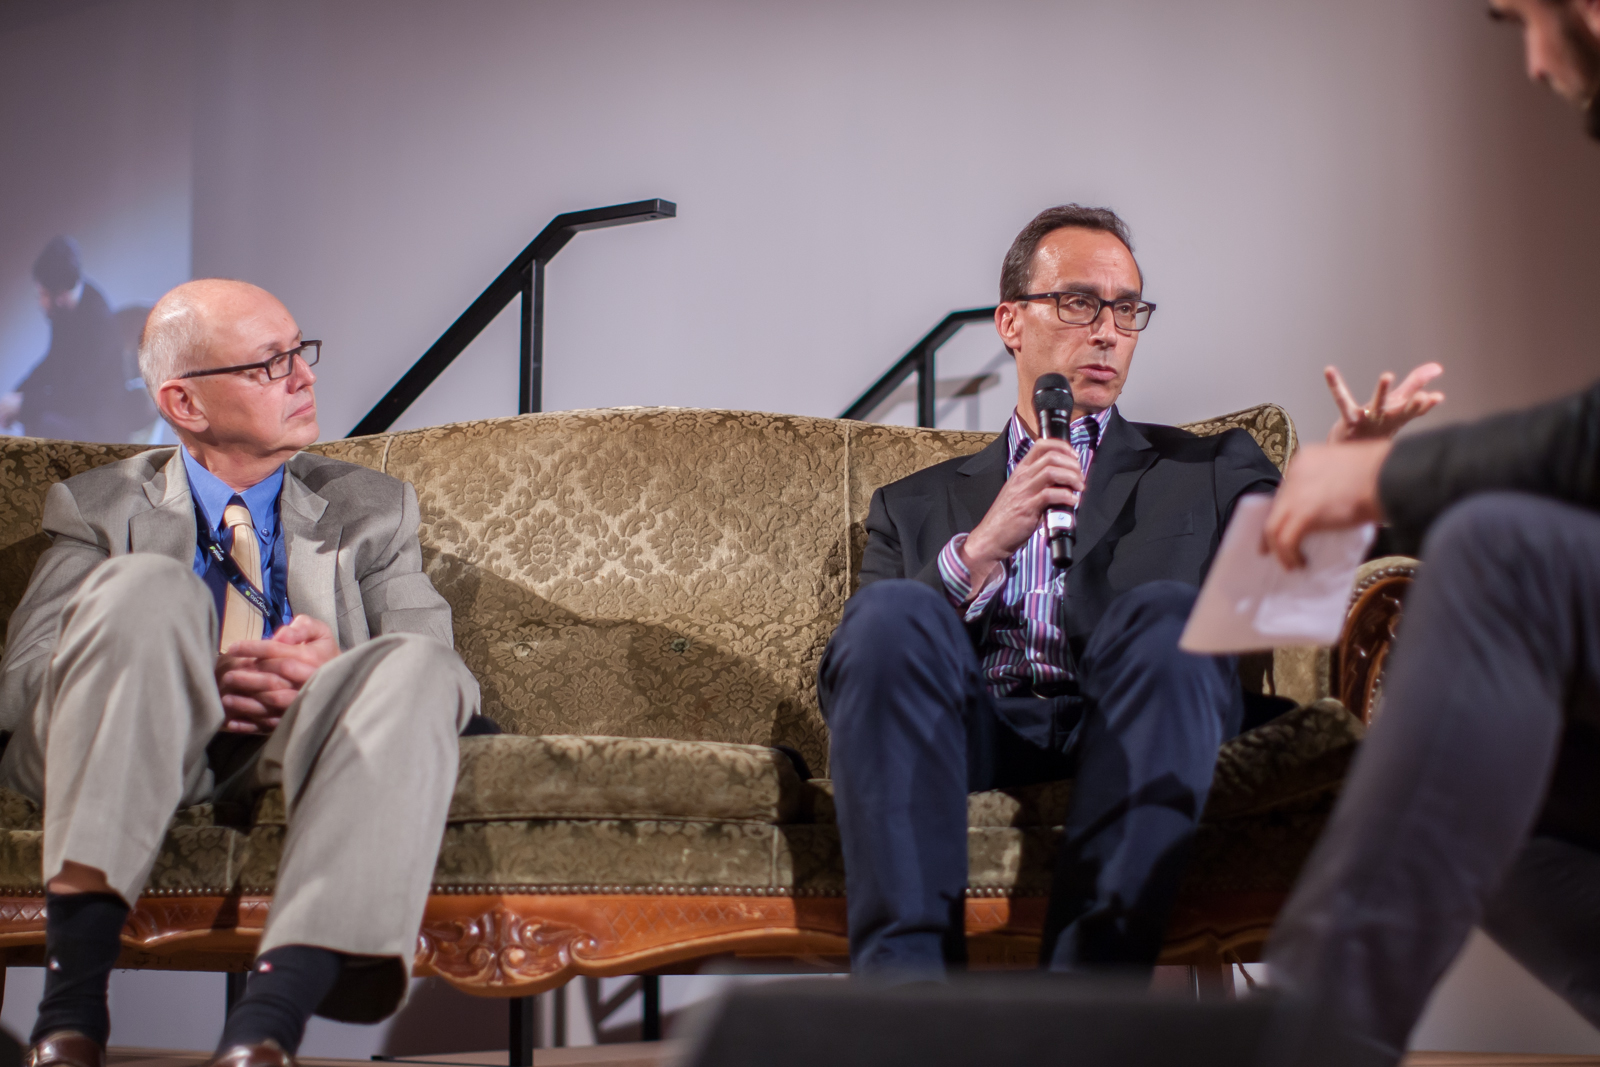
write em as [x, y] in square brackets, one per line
[79, 391]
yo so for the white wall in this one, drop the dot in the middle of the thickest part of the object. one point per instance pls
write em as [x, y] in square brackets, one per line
[1369, 183]
[95, 121]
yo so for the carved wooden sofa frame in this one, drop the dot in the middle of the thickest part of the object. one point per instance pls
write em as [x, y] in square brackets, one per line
[510, 943]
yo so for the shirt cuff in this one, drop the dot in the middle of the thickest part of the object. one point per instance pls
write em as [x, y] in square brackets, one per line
[958, 580]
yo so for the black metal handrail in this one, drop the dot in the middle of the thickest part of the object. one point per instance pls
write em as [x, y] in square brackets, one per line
[524, 277]
[918, 361]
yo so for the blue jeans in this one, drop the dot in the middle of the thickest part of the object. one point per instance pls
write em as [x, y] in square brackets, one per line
[914, 730]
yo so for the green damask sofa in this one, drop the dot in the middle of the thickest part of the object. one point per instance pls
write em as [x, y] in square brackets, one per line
[644, 595]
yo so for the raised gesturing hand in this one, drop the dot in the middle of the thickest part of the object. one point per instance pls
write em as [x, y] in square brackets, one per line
[1391, 406]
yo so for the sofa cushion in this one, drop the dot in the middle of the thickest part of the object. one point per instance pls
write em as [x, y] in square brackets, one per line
[595, 813]
[1298, 756]
[558, 776]
[1044, 804]
[565, 776]
[568, 776]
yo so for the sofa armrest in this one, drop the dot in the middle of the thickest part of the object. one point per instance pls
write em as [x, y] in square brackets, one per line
[1362, 653]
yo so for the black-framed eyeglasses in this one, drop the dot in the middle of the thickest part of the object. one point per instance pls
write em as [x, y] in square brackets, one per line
[279, 366]
[1080, 309]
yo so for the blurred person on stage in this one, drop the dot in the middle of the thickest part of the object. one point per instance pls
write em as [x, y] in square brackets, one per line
[1475, 799]
[80, 390]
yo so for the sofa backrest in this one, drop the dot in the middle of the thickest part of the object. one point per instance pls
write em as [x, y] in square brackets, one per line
[650, 572]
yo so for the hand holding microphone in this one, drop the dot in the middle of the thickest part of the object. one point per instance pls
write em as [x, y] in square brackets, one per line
[1048, 476]
[1052, 406]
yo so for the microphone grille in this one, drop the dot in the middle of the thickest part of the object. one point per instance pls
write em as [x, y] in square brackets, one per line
[1052, 391]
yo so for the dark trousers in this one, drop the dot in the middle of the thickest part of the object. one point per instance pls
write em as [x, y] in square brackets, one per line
[1476, 795]
[914, 730]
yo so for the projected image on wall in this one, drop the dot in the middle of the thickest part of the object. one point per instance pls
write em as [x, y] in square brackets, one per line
[85, 386]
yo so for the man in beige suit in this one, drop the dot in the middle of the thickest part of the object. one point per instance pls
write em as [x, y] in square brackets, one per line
[212, 620]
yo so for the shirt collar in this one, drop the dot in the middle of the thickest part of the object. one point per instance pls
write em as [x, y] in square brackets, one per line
[1018, 442]
[213, 494]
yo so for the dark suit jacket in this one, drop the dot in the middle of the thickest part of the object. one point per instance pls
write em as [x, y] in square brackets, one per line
[1157, 501]
[1552, 450]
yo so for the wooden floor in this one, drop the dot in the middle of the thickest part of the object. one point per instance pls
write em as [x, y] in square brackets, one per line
[655, 1054]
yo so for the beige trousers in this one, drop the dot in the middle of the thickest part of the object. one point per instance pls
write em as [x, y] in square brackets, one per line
[366, 756]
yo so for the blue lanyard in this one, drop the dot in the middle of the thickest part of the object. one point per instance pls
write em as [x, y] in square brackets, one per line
[236, 578]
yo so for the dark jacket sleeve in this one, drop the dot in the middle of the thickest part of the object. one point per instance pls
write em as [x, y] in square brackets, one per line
[1552, 450]
[882, 557]
[1241, 468]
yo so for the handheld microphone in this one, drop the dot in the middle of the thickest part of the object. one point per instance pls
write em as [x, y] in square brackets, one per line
[1052, 405]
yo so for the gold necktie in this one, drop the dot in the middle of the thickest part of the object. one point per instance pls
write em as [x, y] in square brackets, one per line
[240, 619]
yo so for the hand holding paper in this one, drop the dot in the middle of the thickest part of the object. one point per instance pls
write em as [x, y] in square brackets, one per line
[1250, 602]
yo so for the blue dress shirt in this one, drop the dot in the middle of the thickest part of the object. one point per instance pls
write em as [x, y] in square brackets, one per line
[212, 495]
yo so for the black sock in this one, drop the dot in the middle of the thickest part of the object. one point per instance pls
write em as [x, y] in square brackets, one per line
[82, 938]
[284, 988]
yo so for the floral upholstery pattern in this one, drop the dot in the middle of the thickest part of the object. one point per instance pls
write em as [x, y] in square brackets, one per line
[644, 595]
[1044, 804]
[561, 776]
[1269, 424]
[655, 573]
[1301, 754]
[28, 468]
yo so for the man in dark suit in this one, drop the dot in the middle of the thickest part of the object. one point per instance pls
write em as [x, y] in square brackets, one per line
[1476, 796]
[967, 661]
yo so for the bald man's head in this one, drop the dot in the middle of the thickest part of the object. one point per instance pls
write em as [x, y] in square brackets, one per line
[234, 415]
[181, 327]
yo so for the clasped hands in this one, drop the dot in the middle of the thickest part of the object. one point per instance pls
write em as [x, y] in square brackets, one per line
[258, 680]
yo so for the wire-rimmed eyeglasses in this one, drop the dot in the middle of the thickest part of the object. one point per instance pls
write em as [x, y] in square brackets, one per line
[279, 366]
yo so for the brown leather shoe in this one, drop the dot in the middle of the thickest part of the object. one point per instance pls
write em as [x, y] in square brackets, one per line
[65, 1048]
[266, 1054]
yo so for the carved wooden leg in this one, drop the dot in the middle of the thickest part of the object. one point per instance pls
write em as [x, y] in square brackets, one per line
[650, 1010]
[233, 991]
[1213, 981]
[520, 1039]
[558, 1017]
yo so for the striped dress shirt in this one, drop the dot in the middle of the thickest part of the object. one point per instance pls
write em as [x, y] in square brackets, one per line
[1027, 645]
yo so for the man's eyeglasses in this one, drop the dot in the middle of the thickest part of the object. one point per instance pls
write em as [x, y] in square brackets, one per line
[279, 366]
[1080, 309]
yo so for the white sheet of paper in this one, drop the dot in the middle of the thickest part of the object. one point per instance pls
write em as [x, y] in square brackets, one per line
[1251, 603]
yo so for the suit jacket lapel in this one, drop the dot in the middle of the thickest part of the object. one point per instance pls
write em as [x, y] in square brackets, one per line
[168, 528]
[983, 476]
[313, 547]
[1120, 460]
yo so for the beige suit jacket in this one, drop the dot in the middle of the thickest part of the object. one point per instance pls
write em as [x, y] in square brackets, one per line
[354, 561]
